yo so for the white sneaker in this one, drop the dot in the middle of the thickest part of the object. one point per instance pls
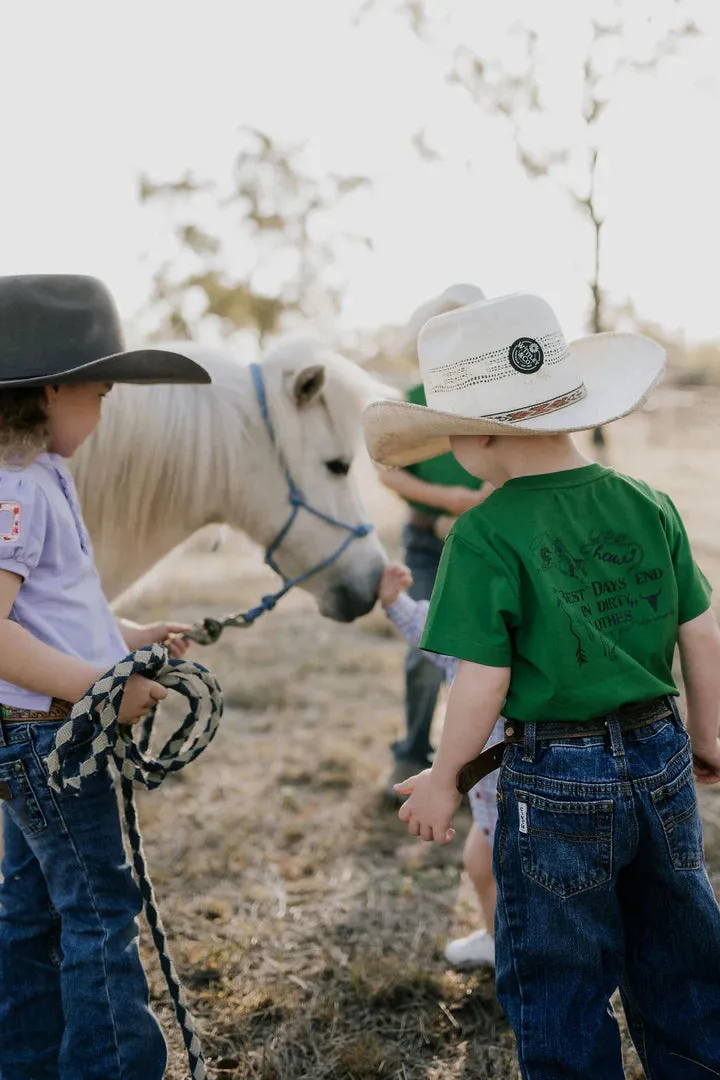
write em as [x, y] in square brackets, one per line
[477, 950]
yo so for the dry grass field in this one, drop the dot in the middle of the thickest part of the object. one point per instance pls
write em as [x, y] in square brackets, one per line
[307, 925]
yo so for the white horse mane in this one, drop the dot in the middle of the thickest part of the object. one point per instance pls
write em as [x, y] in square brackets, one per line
[166, 460]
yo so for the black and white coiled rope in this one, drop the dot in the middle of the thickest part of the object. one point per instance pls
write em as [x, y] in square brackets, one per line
[116, 742]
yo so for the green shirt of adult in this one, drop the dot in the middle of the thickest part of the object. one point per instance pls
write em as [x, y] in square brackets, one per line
[445, 471]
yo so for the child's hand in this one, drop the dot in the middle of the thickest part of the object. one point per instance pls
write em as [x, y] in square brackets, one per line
[396, 579]
[139, 697]
[706, 763]
[161, 633]
[431, 807]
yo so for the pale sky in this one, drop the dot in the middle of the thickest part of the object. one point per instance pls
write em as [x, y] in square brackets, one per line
[95, 92]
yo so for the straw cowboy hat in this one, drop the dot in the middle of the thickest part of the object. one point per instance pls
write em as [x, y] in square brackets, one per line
[64, 328]
[503, 367]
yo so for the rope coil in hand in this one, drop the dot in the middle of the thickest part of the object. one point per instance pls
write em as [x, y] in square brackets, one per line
[99, 709]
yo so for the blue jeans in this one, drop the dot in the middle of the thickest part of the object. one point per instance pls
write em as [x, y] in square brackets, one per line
[73, 994]
[423, 678]
[601, 884]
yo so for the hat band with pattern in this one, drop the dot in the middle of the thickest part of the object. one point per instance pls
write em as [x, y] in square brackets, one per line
[516, 416]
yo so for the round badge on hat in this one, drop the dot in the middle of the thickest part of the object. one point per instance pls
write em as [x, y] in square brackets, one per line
[526, 355]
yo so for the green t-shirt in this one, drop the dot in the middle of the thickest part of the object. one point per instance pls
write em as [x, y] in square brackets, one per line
[575, 580]
[445, 470]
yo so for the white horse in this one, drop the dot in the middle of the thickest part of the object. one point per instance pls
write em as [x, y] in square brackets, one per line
[168, 460]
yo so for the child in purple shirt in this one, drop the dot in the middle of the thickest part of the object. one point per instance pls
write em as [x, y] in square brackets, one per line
[409, 616]
[73, 994]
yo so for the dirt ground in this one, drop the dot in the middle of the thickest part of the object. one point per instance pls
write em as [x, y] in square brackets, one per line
[307, 925]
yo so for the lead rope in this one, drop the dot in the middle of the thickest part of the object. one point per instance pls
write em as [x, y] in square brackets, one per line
[208, 630]
[99, 710]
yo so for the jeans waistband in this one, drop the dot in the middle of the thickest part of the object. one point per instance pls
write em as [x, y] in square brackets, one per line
[629, 718]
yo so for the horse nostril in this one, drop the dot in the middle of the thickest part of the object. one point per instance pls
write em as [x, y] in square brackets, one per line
[348, 604]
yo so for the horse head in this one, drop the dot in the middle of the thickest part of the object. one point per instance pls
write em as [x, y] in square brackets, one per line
[168, 460]
[304, 451]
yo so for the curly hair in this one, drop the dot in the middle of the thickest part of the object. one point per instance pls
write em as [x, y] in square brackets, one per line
[23, 424]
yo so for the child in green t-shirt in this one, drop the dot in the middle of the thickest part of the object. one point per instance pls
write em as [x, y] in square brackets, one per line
[563, 597]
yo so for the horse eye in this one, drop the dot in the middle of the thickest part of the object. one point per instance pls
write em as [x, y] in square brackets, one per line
[338, 467]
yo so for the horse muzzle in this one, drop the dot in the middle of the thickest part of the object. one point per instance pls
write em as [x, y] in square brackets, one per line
[349, 599]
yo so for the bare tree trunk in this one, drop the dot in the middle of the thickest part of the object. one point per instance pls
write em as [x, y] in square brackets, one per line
[599, 440]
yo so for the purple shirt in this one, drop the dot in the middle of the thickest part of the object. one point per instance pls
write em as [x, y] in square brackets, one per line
[410, 616]
[44, 540]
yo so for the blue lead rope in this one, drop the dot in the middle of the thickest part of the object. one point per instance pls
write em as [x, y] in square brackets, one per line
[209, 630]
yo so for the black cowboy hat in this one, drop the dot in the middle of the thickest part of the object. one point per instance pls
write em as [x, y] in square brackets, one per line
[65, 328]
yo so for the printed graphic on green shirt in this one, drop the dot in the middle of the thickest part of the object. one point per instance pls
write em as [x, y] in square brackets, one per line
[577, 581]
[601, 610]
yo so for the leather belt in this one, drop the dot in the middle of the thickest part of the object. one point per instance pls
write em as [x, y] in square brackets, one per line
[58, 710]
[630, 717]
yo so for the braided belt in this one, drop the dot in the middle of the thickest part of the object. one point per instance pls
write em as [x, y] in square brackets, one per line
[98, 710]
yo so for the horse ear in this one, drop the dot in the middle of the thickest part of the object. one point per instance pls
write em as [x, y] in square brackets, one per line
[307, 384]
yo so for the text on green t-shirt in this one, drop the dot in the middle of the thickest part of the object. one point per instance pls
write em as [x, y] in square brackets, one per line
[575, 580]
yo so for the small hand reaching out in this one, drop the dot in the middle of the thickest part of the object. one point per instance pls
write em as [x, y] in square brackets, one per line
[396, 579]
[161, 633]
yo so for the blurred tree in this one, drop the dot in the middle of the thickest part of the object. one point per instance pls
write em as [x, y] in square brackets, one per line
[625, 38]
[289, 246]
[689, 363]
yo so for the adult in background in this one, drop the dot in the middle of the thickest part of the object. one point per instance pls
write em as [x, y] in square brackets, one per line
[433, 490]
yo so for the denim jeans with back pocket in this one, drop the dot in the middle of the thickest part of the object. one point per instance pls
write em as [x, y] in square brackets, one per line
[73, 994]
[602, 884]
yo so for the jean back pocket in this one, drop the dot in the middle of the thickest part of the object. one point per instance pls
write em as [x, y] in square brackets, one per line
[676, 806]
[565, 846]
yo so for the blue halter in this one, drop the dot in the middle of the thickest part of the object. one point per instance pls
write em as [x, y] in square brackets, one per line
[209, 630]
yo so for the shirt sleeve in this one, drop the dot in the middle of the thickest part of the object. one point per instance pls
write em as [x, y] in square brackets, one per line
[694, 590]
[474, 607]
[409, 616]
[23, 523]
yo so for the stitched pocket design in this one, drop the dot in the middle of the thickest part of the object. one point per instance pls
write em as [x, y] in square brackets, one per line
[565, 846]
